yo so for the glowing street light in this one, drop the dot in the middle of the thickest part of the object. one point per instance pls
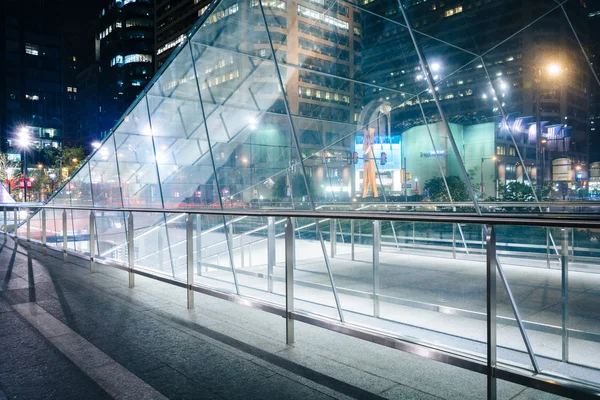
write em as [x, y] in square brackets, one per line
[554, 69]
[435, 66]
[23, 142]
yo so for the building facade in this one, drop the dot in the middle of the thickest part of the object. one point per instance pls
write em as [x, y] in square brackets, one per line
[125, 56]
[488, 59]
[174, 18]
[32, 75]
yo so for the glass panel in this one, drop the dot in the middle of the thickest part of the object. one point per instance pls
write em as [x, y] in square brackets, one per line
[111, 235]
[106, 185]
[182, 148]
[251, 141]
[152, 241]
[137, 162]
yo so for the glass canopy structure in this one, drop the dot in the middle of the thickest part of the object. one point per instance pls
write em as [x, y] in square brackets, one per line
[335, 105]
[312, 103]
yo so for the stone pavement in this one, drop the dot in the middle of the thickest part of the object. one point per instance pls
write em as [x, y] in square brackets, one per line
[66, 333]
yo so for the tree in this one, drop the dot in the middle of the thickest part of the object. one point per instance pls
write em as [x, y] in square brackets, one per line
[437, 190]
[5, 165]
[67, 158]
[515, 191]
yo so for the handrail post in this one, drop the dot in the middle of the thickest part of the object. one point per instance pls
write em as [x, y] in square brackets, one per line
[548, 248]
[199, 244]
[130, 250]
[44, 230]
[454, 241]
[270, 251]
[5, 222]
[376, 249]
[28, 224]
[289, 280]
[413, 229]
[491, 261]
[352, 239]
[332, 236]
[15, 221]
[189, 246]
[92, 242]
[65, 243]
[565, 294]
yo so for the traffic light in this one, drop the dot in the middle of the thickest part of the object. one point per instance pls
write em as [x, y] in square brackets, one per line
[409, 177]
[383, 159]
[355, 157]
[349, 158]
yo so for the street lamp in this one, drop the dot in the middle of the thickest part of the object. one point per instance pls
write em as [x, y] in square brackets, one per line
[96, 145]
[481, 184]
[24, 142]
[553, 70]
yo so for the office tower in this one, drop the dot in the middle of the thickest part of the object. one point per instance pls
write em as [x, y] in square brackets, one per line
[125, 55]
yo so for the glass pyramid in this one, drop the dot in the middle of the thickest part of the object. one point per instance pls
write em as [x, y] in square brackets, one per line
[321, 104]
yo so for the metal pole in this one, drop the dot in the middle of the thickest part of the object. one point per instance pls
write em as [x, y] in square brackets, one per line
[5, 222]
[352, 239]
[565, 295]
[270, 251]
[15, 221]
[189, 247]
[130, 250]
[454, 241]
[538, 136]
[199, 244]
[413, 229]
[28, 225]
[289, 280]
[548, 248]
[64, 224]
[44, 229]
[332, 236]
[376, 243]
[92, 242]
[491, 312]
[573, 243]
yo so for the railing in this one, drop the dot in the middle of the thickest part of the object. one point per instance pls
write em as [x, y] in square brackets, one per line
[361, 285]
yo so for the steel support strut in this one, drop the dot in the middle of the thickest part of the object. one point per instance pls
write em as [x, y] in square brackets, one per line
[189, 252]
[491, 312]
[290, 252]
[565, 294]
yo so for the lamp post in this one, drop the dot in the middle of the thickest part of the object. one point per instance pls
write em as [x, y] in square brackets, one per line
[553, 70]
[481, 184]
[23, 142]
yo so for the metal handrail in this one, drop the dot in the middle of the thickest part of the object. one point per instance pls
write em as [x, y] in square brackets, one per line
[535, 378]
[540, 220]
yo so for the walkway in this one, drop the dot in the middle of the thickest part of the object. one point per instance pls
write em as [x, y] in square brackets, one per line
[67, 334]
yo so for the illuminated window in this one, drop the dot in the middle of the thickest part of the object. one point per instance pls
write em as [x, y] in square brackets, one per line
[452, 11]
[32, 49]
[133, 58]
[318, 16]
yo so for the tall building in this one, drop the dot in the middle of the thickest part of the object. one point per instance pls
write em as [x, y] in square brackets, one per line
[125, 55]
[32, 74]
[527, 62]
[594, 52]
[174, 18]
[326, 52]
